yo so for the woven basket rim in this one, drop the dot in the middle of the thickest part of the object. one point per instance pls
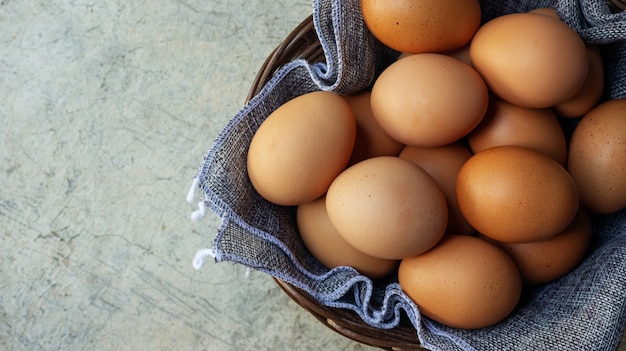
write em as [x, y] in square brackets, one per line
[302, 42]
[619, 5]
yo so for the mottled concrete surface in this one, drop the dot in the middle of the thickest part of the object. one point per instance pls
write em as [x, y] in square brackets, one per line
[107, 108]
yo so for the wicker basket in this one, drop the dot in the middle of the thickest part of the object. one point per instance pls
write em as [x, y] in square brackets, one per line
[303, 42]
[618, 5]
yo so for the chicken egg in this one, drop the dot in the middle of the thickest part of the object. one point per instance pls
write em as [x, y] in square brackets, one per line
[443, 164]
[321, 238]
[301, 147]
[529, 59]
[509, 124]
[416, 26]
[463, 282]
[429, 100]
[515, 194]
[597, 157]
[589, 94]
[387, 207]
[371, 140]
[543, 261]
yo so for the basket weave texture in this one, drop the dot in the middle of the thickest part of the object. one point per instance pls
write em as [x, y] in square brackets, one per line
[332, 50]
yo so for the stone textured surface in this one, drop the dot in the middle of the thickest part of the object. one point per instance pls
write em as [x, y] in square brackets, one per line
[107, 108]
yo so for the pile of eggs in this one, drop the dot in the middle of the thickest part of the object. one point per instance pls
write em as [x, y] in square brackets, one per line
[453, 171]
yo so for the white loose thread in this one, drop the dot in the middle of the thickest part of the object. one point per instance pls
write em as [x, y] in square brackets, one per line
[200, 212]
[247, 274]
[201, 255]
[191, 195]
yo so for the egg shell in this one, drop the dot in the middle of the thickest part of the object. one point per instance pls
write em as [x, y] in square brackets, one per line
[531, 60]
[325, 244]
[416, 26]
[429, 100]
[371, 140]
[387, 207]
[543, 261]
[509, 124]
[590, 93]
[514, 194]
[301, 147]
[597, 157]
[443, 164]
[461, 54]
[463, 282]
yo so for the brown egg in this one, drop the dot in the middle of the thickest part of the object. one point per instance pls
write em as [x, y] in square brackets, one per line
[325, 244]
[543, 261]
[597, 157]
[509, 124]
[461, 54]
[387, 207]
[416, 26]
[443, 164]
[301, 147]
[514, 194]
[429, 100]
[371, 140]
[591, 91]
[403, 55]
[463, 282]
[531, 60]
